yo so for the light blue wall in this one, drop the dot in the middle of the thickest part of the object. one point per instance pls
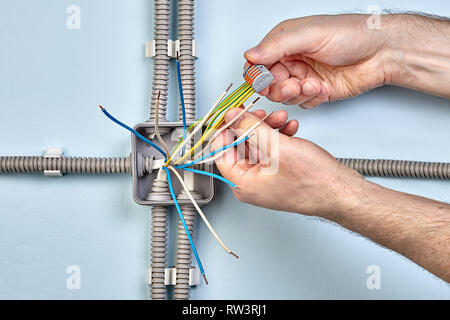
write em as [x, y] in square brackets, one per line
[51, 82]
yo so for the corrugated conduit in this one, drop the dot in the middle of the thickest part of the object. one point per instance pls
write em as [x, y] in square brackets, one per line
[160, 86]
[187, 66]
[161, 60]
[398, 168]
[79, 165]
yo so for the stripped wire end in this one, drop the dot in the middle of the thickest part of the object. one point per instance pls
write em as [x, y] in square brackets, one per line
[204, 278]
[101, 108]
[229, 87]
[261, 121]
[159, 95]
[233, 254]
[256, 100]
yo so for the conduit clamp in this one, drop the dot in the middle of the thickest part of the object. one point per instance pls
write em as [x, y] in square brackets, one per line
[170, 276]
[172, 48]
[53, 153]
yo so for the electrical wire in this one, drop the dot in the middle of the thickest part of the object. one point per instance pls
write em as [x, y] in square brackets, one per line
[198, 127]
[231, 145]
[211, 128]
[247, 133]
[158, 135]
[133, 131]
[183, 108]
[226, 127]
[237, 101]
[194, 250]
[200, 212]
[206, 173]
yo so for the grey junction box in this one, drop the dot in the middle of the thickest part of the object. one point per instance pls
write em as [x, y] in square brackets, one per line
[143, 181]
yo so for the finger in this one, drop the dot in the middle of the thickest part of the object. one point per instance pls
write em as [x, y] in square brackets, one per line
[309, 88]
[279, 72]
[230, 164]
[277, 45]
[277, 119]
[290, 128]
[299, 69]
[259, 113]
[250, 123]
[324, 96]
[284, 90]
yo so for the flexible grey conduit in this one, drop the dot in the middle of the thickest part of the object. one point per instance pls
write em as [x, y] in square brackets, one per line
[184, 256]
[120, 165]
[79, 165]
[398, 168]
[160, 85]
[187, 60]
[159, 245]
[161, 60]
[187, 66]
[184, 251]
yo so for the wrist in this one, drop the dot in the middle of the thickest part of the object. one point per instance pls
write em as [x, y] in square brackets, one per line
[417, 53]
[346, 195]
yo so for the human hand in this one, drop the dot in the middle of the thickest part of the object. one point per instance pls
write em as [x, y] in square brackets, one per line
[308, 179]
[324, 58]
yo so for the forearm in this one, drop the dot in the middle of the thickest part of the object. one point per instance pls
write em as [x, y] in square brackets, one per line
[418, 53]
[415, 227]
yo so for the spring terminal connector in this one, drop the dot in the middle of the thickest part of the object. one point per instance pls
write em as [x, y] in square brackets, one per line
[258, 76]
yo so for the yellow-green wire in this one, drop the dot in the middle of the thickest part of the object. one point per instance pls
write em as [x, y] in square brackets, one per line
[247, 91]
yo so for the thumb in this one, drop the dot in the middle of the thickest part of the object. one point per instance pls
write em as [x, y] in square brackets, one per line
[260, 145]
[278, 45]
[245, 122]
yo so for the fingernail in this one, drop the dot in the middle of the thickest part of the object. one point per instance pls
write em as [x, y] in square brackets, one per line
[309, 89]
[288, 92]
[253, 53]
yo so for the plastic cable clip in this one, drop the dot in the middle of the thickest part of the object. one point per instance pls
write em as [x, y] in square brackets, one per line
[170, 276]
[172, 48]
[194, 52]
[53, 153]
[150, 49]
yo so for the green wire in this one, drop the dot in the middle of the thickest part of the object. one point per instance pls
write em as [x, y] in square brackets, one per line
[225, 101]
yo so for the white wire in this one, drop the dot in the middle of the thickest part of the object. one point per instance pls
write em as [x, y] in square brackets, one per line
[204, 150]
[161, 141]
[200, 125]
[200, 212]
[249, 132]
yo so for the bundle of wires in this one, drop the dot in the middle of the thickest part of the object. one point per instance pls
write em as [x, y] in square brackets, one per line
[212, 121]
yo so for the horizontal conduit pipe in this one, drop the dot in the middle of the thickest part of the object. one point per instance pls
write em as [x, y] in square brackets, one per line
[118, 165]
[80, 165]
[398, 168]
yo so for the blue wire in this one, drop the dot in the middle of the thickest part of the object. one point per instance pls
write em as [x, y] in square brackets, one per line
[213, 153]
[206, 173]
[183, 109]
[134, 131]
[183, 221]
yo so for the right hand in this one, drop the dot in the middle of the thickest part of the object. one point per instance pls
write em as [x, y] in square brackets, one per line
[278, 171]
[318, 59]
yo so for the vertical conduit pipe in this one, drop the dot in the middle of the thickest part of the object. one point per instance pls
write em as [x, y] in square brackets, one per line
[187, 66]
[160, 85]
[161, 60]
